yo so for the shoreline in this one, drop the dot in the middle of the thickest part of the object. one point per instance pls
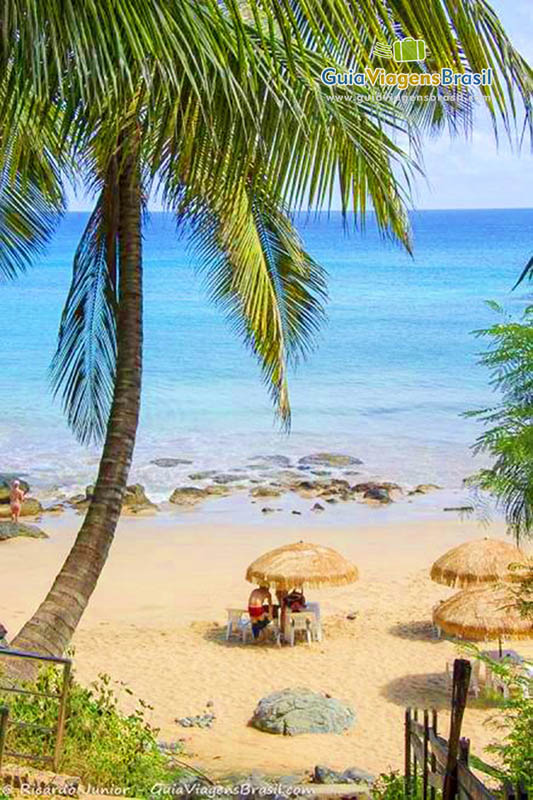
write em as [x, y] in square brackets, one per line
[156, 623]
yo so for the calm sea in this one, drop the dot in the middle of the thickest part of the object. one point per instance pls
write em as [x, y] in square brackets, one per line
[395, 366]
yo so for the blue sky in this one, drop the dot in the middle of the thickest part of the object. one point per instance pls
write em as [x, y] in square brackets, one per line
[473, 173]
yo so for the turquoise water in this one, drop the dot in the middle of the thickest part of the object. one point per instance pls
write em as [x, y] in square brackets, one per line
[395, 367]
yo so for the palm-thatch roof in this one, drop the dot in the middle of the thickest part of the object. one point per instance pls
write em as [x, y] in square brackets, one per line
[478, 562]
[486, 612]
[301, 564]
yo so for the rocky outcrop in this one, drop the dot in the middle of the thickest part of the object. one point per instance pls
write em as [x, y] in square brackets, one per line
[293, 711]
[135, 500]
[351, 775]
[329, 460]
[424, 488]
[265, 491]
[30, 508]
[6, 479]
[188, 496]
[12, 530]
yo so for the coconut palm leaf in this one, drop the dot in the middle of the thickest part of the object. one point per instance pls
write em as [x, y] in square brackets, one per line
[83, 367]
[31, 184]
[256, 270]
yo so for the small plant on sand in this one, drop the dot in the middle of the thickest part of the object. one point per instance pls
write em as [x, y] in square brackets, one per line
[102, 745]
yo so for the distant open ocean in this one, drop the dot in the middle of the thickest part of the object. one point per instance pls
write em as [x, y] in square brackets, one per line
[394, 370]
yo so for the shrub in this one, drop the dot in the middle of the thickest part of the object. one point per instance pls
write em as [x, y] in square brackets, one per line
[102, 745]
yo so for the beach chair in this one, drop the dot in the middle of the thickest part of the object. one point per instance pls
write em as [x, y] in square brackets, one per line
[475, 683]
[315, 609]
[303, 622]
[238, 623]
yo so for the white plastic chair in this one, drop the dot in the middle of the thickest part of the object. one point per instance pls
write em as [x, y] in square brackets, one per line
[238, 623]
[303, 621]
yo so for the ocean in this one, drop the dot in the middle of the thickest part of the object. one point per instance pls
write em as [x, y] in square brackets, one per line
[395, 367]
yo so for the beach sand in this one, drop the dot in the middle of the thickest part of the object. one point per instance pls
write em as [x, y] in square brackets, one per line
[156, 623]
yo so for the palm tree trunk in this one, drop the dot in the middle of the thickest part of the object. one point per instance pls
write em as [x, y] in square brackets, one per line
[50, 629]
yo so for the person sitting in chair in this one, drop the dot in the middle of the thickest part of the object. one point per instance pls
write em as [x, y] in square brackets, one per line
[260, 609]
[295, 600]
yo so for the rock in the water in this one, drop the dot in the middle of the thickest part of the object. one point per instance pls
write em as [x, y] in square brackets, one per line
[317, 507]
[226, 477]
[329, 460]
[10, 530]
[424, 488]
[298, 513]
[351, 775]
[461, 509]
[265, 491]
[6, 479]
[202, 476]
[170, 462]
[136, 501]
[276, 460]
[30, 508]
[378, 495]
[136, 496]
[294, 711]
[267, 510]
[188, 495]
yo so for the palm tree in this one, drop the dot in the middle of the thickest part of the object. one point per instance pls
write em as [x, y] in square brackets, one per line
[234, 124]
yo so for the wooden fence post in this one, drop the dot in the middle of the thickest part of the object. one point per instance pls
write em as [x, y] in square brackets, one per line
[461, 680]
[425, 765]
[407, 769]
[4, 721]
[434, 726]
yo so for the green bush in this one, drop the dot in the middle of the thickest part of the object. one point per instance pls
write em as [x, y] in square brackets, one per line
[102, 745]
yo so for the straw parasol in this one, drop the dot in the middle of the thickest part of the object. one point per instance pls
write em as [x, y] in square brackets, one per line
[478, 562]
[298, 565]
[301, 564]
[486, 612]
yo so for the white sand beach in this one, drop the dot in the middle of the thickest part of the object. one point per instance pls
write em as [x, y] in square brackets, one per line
[156, 623]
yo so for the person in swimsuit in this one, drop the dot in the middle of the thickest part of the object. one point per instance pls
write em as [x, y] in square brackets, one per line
[16, 498]
[260, 609]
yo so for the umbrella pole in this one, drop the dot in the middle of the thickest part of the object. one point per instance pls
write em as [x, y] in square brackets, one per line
[500, 646]
[281, 594]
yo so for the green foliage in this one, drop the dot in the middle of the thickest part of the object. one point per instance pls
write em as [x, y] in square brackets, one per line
[102, 745]
[508, 437]
[391, 786]
[513, 722]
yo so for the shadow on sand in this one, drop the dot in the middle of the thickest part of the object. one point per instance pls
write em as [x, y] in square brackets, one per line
[416, 630]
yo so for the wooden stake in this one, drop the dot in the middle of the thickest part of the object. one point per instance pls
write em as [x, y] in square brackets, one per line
[461, 679]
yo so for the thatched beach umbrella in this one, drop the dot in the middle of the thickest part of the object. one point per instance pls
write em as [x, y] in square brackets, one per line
[478, 562]
[301, 564]
[298, 565]
[486, 612]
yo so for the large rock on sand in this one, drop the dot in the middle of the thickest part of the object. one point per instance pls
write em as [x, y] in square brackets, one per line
[294, 711]
[30, 508]
[6, 480]
[328, 460]
[10, 530]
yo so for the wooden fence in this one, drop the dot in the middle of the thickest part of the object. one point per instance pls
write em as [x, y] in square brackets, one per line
[435, 764]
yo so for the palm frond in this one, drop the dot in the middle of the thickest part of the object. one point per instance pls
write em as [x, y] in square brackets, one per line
[83, 368]
[31, 186]
[258, 273]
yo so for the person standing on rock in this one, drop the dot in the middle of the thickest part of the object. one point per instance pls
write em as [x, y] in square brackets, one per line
[16, 499]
